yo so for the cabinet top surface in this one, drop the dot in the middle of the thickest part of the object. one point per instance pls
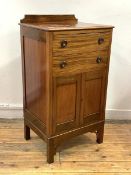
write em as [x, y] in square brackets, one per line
[58, 23]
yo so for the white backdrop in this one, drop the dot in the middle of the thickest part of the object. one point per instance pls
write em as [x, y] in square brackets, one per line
[117, 13]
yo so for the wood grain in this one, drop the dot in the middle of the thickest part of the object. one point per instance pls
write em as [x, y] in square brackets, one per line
[81, 39]
[82, 62]
[66, 110]
[82, 50]
[49, 19]
[35, 68]
[56, 96]
[58, 22]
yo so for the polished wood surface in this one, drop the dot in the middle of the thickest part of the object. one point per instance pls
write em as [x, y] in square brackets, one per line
[58, 23]
[93, 86]
[82, 51]
[42, 19]
[66, 26]
[77, 156]
[65, 73]
[36, 70]
[66, 102]
[88, 40]
[79, 64]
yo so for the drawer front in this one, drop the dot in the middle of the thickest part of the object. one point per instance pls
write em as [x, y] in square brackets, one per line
[80, 63]
[76, 51]
[80, 41]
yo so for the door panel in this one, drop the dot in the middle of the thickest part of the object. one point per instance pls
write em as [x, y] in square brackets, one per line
[93, 96]
[66, 99]
[66, 102]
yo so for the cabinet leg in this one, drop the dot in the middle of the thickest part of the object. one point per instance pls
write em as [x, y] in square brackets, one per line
[50, 151]
[26, 132]
[100, 135]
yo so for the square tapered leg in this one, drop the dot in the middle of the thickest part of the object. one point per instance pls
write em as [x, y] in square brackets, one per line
[26, 132]
[50, 151]
[100, 135]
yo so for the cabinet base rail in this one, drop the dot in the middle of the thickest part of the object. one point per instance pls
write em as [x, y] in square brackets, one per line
[53, 142]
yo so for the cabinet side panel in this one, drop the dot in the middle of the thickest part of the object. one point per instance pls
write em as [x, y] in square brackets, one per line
[36, 77]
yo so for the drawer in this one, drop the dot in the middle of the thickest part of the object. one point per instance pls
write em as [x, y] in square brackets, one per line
[72, 43]
[80, 63]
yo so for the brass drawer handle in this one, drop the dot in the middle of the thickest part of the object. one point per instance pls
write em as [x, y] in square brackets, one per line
[100, 40]
[99, 60]
[63, 43]
[63, 64]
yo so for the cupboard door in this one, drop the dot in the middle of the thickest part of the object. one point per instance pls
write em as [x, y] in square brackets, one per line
[66, 103]
[93, 96]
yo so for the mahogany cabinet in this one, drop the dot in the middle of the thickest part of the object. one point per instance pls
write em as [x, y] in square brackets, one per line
[65, 72]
